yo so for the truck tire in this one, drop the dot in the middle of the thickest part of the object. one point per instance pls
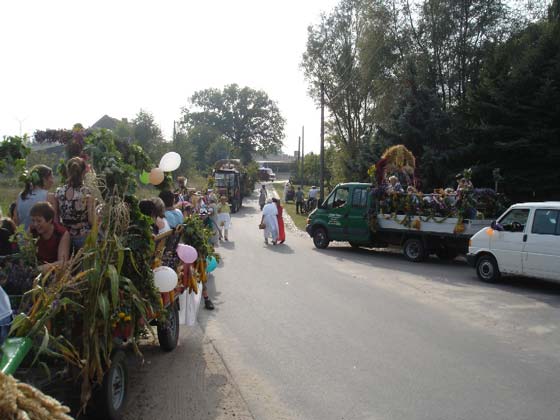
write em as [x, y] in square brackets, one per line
[320, 238]
[414, 250]
[487, 269]
[168, 331]
[109, 400]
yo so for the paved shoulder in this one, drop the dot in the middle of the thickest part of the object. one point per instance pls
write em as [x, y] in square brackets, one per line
[190, 382]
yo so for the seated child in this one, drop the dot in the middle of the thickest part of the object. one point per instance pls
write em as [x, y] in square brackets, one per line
[174, 216]
[53, 244]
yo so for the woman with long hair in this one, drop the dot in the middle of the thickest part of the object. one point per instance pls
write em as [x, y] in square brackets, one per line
[39, 180]
[75, 203]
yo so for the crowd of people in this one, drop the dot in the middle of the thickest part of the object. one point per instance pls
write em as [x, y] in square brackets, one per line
[61, 221]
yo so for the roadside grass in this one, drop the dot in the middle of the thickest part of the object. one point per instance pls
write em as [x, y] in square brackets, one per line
[9, 190]
[290, 207]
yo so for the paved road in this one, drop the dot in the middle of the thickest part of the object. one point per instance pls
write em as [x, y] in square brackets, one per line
[301, 333]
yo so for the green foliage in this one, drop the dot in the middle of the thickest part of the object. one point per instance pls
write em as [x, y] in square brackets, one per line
[197, 235]
[515, 111]
[147, 134]
[13, 152]
[460, 83]
[247, 118]
[252, 169]
[332, 58]
[203, 145]
[117, 163]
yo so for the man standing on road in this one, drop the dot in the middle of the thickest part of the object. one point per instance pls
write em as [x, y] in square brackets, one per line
[299, 200]
[262, 196]
[313, 195]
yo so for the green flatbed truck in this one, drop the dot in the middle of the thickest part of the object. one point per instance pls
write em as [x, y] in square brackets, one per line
[346, 215]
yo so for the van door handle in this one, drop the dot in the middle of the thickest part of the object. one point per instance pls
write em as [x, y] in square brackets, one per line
[525, 238]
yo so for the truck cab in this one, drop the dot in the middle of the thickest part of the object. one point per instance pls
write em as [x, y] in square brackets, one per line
[525, 240]
[343, 216]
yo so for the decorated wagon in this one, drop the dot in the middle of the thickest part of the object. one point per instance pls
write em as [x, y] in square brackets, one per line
[76, 318]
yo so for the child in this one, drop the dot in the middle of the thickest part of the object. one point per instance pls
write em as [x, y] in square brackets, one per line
[159, 216]
[224, 218]
[174, 216]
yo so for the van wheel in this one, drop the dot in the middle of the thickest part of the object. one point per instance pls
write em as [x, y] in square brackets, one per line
[487, 269]
[320, 238]
[413, 250]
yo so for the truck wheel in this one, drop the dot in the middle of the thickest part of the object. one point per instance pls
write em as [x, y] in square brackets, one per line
[413, 250]
[354, 245]
[320, 238]
[109, 400]
[168, 331]
[446, 254]
[487, 269]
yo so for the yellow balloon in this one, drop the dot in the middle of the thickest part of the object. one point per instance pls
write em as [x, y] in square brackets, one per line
[156, 176]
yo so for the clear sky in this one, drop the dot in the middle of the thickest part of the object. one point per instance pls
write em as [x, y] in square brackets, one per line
[66, 61]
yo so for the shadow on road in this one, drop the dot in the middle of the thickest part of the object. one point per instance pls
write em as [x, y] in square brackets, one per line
[280, 248]
[441, 271]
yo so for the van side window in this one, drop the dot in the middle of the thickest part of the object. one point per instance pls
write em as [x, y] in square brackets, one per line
[515, 220]
[359, 198]
[545, 222]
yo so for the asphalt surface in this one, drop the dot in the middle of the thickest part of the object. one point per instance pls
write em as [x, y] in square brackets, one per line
[302, 333]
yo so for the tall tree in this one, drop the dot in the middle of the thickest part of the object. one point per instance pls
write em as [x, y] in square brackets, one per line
[332, 60]
[450, 38]
[248, 118]
[148, 134]
[515, 112]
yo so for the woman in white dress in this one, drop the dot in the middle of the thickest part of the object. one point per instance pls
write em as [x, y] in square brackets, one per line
[269, 213]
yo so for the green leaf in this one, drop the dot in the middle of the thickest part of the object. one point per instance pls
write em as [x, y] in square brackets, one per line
[103, 304]
[114, 278]
[120, 259]
[44, 344]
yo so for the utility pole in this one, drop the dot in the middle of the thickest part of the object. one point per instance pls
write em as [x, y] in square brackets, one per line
[302, 154]
[322, 175]
[298, 157]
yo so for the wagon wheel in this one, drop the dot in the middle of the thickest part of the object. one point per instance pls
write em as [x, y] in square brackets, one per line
[109, 401]
[168, 331]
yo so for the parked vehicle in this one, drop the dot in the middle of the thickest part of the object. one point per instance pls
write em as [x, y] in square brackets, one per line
[266, 174]
[525, 240]
[350, 213]
[229, 180]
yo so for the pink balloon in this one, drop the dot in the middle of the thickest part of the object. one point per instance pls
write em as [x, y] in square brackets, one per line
[187, 253]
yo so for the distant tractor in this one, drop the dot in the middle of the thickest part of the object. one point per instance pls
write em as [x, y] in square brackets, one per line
[229, 180]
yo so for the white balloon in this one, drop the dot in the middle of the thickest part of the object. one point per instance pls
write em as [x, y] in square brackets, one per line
[170, 162]
[165, 278]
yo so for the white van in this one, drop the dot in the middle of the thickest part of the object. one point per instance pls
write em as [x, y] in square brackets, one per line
[525, 240]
